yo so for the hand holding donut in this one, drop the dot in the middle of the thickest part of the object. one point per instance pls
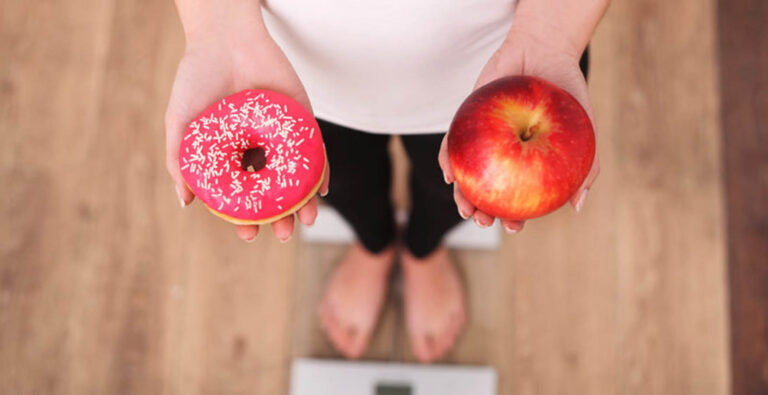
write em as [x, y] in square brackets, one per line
[221, 62]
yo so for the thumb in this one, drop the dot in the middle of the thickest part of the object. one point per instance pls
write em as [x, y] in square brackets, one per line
[174, 130]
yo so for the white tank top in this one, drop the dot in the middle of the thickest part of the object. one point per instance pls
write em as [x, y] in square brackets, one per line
[388, 66]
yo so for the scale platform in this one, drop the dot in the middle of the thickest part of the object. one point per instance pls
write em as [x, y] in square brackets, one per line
[333, 377]
[330, 227]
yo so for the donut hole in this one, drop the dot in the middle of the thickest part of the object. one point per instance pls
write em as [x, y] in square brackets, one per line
[254, 159]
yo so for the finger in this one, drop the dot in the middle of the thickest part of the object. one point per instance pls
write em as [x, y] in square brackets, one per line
[445, 163]
[283, 228]
[593, 173]
[308, 213]
[483, 219]
[466, 209]
[174, 130]
[326, 177]
[247, 232]
[512, 227]
[578, 199]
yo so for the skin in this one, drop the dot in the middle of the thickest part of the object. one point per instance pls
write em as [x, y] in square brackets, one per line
[224, 58]
[221, 59]
[532, 49]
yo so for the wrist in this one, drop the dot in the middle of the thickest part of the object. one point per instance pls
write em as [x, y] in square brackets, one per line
[226, 21]
[563, 25]
[534, 33]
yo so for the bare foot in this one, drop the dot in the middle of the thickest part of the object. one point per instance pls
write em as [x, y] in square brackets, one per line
[434, 304]
[353, 298]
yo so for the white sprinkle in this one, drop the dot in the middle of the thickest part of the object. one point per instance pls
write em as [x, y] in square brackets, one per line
[214, 144]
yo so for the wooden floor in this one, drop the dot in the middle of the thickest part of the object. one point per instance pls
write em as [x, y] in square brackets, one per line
[743, 48]
[108, 287]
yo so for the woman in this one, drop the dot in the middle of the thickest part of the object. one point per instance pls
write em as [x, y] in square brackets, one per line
[372, 69]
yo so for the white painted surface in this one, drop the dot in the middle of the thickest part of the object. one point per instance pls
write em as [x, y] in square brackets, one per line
[333, 377]
[330, 227]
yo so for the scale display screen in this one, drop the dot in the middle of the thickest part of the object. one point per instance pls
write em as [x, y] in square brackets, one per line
[393, 389]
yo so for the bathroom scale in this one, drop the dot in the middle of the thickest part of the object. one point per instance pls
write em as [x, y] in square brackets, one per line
[330, 227]
[335, 377]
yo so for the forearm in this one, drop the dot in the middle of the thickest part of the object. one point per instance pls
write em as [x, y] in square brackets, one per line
[203, 19]
[565, 24]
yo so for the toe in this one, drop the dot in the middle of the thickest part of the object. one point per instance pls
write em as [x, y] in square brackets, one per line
[360, 343]
[326, 318]
[355, 343]
[420, 349]
[425, 348]
[342, 335]
[457, 324]
[434, 346]
[449, 333]
[445, 342]
[333, 329]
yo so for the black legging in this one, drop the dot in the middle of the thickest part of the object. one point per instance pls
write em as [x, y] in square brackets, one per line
[360, 186]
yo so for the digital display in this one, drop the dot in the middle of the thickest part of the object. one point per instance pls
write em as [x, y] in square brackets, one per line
[393, 389]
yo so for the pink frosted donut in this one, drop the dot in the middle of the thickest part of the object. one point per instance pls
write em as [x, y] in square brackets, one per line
[253, 157]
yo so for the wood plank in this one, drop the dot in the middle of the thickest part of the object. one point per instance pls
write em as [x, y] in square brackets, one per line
[658, 114]
[629, 296]
[106, 286]
[743, 59]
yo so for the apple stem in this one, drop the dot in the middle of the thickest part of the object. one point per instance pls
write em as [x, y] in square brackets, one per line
[527, 134]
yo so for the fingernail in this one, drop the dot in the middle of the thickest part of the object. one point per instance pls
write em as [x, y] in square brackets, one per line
[445, 177]
[178, 193]
[285, 240]
[481, 225]
[251, 240]
[510, 230]
[324, 194]
[462, 215]
[580, 202]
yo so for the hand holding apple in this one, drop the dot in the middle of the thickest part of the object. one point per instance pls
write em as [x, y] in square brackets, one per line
[523, 55]
[519, 147]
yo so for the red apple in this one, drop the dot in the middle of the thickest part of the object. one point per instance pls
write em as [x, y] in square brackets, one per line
[520, 147]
